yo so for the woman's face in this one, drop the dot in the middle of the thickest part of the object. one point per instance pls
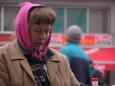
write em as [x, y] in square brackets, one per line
[39, 34]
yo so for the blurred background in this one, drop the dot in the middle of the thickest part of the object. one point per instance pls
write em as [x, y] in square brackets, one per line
[95, 17]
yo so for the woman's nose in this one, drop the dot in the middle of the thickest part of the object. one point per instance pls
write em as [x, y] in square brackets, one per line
[43, 34]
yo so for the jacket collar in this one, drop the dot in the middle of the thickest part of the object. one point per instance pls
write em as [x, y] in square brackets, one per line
[17, 54]
[52, 66]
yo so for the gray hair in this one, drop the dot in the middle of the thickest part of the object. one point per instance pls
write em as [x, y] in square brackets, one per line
[74, 33]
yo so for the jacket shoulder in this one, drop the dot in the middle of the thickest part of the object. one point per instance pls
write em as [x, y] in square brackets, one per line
[4, 48]
[57, 54]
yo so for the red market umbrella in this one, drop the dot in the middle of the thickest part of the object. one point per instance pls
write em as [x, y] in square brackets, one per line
[103, 56]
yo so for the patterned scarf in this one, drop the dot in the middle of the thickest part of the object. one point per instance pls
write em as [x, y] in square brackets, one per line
[39, 69]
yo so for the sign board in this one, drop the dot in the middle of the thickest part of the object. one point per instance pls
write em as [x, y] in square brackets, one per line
[4, 38]
[56, 41]
[96, 40]
[103, 40]
[87, 40]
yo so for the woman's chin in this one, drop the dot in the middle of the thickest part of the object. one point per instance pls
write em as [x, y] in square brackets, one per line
[38, 48]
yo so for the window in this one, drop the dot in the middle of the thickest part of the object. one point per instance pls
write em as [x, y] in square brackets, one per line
[59, 24]
[9, 16]
[91, 20]
[76, 16]
[67, 17]
[98, 22]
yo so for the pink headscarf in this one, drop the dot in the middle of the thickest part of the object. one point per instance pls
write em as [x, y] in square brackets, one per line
[22, 32]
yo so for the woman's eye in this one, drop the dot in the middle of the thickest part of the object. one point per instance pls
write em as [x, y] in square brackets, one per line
[37, 30]
[47, 31]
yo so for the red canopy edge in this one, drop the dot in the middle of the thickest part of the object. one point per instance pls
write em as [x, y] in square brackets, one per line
[102, 56]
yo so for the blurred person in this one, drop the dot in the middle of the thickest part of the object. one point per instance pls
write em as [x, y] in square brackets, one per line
[78, 59]
[27, 60]
[96, 73]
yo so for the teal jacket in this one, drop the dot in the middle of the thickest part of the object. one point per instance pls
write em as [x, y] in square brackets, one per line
[72, 49]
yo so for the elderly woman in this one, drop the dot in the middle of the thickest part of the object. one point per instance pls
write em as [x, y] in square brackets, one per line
[28, 61]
